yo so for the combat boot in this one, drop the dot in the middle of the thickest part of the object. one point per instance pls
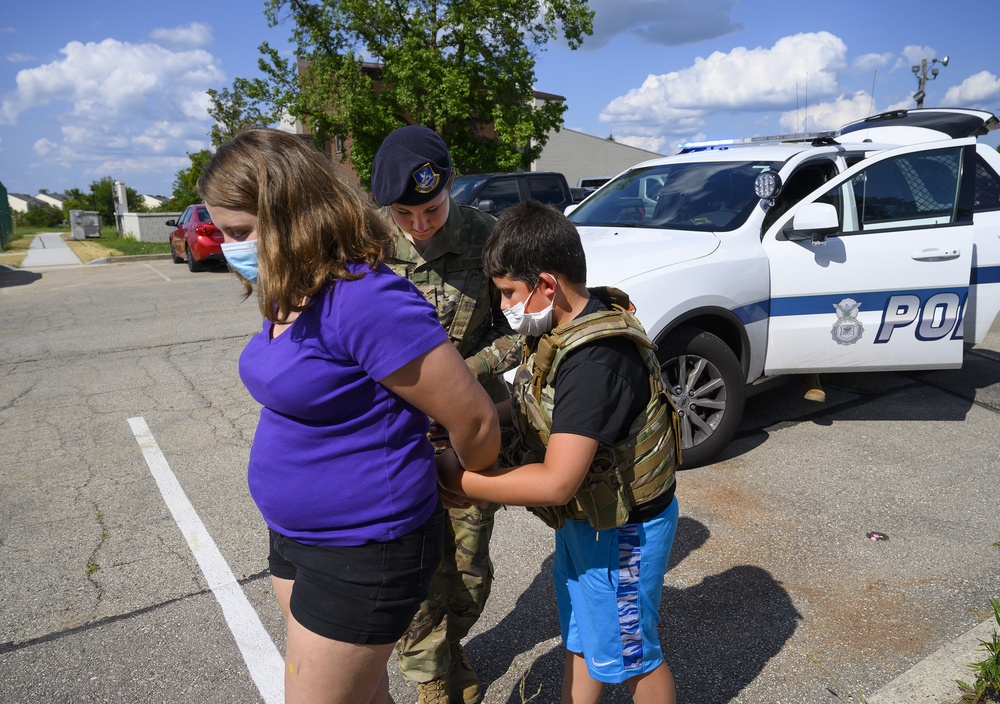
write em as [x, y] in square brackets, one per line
[462, 679]
[433, 692]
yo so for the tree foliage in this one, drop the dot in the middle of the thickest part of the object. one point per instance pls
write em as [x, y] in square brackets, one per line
[186, 182]
[102, 198]
[241, 108]
[464, 68]
[77, 200]
[38, 216]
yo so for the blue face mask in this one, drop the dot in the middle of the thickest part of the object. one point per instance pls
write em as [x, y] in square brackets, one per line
[242, 258]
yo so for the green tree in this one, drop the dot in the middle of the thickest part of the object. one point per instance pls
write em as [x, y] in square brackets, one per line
[102, 199]
[41, 216]
[77, 200]
[464, 68]
[186, 182]
[241, 108]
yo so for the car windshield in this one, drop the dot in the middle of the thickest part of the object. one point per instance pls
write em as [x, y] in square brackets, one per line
[464, 187]
[702, 196]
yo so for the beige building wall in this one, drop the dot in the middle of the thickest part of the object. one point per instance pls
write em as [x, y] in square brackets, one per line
[578, 155]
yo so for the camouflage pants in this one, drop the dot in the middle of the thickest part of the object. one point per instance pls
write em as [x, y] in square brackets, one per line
[457, 595]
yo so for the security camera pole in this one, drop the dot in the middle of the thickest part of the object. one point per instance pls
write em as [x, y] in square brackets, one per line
[921, 73]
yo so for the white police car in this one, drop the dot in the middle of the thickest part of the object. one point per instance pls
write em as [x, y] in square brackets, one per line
[753, 258]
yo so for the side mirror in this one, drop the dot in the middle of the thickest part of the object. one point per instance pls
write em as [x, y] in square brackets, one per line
[487, 206]
[813, 221]
[569, 209]
[171, 223]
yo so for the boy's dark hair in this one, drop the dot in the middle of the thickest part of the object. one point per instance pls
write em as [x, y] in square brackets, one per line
[530, 238]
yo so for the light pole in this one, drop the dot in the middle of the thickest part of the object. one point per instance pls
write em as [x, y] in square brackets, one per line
[921, 73]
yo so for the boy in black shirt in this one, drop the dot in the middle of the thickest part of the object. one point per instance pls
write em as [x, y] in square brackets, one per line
[595, 456]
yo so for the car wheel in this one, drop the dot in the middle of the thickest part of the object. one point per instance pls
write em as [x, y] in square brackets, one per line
[193, 264]
[173, 256]
[705, 380]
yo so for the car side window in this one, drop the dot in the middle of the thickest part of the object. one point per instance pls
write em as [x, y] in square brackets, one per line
[546, 189]
[503, 193]
[805, 180]
[185, 217]
[987, 186]
[911, 190]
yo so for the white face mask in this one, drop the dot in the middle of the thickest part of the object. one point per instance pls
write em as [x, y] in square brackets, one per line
[531, 324]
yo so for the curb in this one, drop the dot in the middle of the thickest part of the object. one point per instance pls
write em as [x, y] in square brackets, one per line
[127, 258]
[932, 680]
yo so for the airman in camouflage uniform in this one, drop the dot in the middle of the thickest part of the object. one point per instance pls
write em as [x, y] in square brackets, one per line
[438, 248]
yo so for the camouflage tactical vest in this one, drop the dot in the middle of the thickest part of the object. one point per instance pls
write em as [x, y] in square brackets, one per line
[631, 473]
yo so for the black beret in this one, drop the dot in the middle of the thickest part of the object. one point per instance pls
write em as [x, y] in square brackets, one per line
[411, 167]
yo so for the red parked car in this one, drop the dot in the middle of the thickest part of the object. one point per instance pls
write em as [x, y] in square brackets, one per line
[195, 239]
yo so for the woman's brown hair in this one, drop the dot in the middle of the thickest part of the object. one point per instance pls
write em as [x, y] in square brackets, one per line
[310, 222]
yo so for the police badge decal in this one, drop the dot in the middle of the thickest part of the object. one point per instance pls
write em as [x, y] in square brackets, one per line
[848, 329]
[426, 179]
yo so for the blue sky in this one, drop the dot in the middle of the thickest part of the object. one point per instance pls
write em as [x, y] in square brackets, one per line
[117, 89]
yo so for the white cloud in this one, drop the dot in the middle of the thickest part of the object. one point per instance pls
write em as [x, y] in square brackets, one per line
[112, 80]
[17, 58]
[123, 105]
[760, 79]
[830, 115]
[975, 91]
[652, 144]
[192, 36]
[871, 62]
[132, 165]
[668, 22]
[44, 147]
[913, 53]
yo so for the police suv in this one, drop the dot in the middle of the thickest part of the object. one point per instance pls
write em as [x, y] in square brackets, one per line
[873, 248]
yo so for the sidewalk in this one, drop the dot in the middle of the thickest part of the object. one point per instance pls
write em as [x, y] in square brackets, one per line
[932, 680]
[48, 251]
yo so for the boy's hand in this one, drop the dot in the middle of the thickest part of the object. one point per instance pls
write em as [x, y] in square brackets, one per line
[449, 482]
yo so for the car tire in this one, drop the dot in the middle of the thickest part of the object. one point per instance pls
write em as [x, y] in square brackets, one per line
[173, 256]
[705, 380]
[193, 264]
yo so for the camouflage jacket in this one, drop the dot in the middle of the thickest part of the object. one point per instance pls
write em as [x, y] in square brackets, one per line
[449, 273]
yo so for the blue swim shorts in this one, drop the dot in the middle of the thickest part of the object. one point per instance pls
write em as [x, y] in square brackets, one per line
[608, 586]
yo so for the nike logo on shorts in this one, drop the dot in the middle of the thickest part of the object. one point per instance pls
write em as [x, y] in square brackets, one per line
[602, 664]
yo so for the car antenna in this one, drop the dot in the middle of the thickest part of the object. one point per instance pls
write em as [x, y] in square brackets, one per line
[871, 102]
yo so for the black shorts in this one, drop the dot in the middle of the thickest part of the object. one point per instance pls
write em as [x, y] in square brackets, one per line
[364, 594]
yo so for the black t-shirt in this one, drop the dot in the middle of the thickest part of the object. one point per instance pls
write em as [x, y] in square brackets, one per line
[601, 388]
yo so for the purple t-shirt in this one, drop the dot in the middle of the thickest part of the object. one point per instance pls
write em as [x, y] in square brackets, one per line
[337, 458]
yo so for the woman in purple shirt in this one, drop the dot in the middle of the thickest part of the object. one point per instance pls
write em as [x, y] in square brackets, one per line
[350, 362]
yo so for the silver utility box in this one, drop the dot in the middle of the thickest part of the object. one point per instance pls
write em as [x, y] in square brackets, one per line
[85, 223]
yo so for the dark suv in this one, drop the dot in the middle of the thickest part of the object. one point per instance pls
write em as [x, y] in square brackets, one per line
[493, 193]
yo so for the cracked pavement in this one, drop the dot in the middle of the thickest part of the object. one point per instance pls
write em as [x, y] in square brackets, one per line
[771, 564]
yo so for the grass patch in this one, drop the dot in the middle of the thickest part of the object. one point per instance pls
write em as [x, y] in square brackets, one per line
[24, 231]
[14, 259]
[16, 249]
[111, 244]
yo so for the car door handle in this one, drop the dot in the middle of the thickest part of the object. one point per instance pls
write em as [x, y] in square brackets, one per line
[936, 255]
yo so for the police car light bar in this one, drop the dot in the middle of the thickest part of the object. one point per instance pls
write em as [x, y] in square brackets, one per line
[687, 147]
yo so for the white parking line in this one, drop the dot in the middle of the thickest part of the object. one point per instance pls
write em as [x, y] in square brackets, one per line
[156, 271]
[263, 660]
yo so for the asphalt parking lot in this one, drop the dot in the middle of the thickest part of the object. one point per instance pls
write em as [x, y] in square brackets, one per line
[775, 594]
